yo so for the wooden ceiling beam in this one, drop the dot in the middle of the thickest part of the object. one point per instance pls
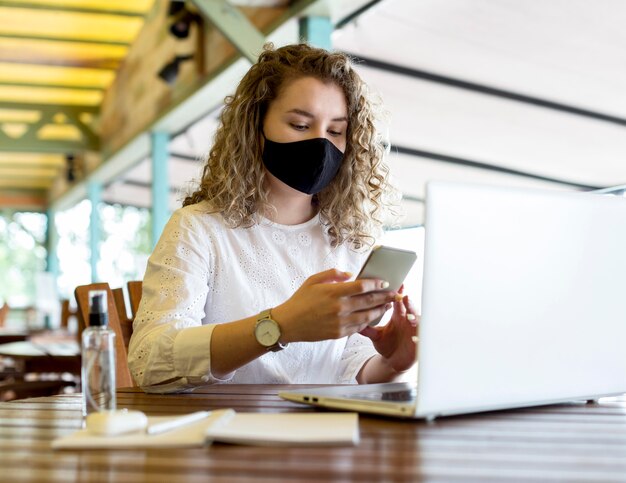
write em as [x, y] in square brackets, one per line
[24, 172]
[105, 64]
[4, 35]
[63, 8]
[54, 85]
[12, 165]
[31, 144]
[28, 183]
[54, 108]
[23, 200]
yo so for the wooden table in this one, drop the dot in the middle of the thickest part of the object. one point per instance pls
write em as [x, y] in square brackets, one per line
[45, 354]
[12, 335]
[574, 442]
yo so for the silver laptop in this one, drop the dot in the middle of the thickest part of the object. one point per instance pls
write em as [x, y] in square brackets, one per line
[523, 304]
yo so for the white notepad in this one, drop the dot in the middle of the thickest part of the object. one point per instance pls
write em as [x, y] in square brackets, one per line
[230, 427]
[269, 429]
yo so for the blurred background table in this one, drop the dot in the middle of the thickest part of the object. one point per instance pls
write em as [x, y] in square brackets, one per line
[573, 442]
[47, 363]
[13, 335]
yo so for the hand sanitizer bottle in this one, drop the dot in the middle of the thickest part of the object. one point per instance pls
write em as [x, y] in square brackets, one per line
[98, 357]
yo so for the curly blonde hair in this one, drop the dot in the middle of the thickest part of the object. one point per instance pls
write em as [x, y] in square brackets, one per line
[352, 207]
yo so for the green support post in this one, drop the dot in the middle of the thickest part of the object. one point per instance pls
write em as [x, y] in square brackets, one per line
[160, 184]
[317, 31]
[94, 193]
[52, 239]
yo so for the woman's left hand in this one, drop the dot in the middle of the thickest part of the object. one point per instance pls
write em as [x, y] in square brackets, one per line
[396, 341]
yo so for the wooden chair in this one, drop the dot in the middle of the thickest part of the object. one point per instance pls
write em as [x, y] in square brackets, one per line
[67, 313]
[134, 295]
[4, 311]
[125, 322]
[122, 373]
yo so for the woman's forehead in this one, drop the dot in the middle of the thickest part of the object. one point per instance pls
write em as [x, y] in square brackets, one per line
[312, 95]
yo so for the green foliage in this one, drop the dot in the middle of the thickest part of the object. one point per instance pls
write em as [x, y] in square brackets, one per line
[22, 255]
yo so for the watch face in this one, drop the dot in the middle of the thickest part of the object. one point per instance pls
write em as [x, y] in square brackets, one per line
[267, 333]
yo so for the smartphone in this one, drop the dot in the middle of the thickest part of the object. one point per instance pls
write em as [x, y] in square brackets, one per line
[390, 264]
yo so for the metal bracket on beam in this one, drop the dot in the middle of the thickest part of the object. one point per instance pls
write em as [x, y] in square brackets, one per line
[234, 25]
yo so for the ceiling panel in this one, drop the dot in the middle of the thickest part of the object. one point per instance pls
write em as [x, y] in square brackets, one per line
[570, 51]
[429, 116]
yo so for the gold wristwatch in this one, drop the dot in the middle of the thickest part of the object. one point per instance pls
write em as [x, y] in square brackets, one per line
[267, 332]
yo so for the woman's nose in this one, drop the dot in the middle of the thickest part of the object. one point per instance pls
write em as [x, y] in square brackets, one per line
[319, 132]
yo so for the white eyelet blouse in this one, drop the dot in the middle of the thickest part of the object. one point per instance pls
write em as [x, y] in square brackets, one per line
[203, 273]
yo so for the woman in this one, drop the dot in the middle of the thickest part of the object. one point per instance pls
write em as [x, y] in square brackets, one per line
[250, 280]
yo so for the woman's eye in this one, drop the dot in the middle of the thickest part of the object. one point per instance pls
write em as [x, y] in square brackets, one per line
[334, 133]
[299, 127]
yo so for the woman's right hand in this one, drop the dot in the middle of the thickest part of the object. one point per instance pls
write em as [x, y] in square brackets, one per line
[328, 306]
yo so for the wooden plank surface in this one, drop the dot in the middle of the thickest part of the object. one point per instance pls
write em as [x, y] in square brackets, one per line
[573, 442]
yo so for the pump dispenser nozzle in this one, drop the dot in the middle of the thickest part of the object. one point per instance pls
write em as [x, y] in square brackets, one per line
[98, 308]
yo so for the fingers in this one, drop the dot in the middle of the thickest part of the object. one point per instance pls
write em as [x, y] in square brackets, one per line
[362, 285]
[412, 314]
[332, 275]
[355, 287]
[366, 301]
[399, 307]
[371, 332]
[360, 319]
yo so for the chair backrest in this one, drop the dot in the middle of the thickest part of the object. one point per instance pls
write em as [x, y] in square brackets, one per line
[122, 373]
[125, 321]
[134, 295]
[4, 311]
[67, 312]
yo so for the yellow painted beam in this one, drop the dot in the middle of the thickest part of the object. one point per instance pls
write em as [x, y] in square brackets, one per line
[130, 6]
[49, 95]
[17, 115]
[61, 53]
[31, 183]
[55, 75]
[68, 25]
[28, 172]
[41, 159]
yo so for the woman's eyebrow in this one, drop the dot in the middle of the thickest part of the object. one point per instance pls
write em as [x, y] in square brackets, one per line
[304, 113]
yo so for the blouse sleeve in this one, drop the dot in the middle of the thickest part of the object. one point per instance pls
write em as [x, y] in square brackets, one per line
[170, 348]
[359, 349]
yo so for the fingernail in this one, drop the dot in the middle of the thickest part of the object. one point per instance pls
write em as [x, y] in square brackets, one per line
[384, 284]
[398, 297]
[410, 317]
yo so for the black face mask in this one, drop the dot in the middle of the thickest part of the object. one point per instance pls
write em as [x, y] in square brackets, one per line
[307, 166]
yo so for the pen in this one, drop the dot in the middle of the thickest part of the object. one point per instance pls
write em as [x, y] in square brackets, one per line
[176, 423]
